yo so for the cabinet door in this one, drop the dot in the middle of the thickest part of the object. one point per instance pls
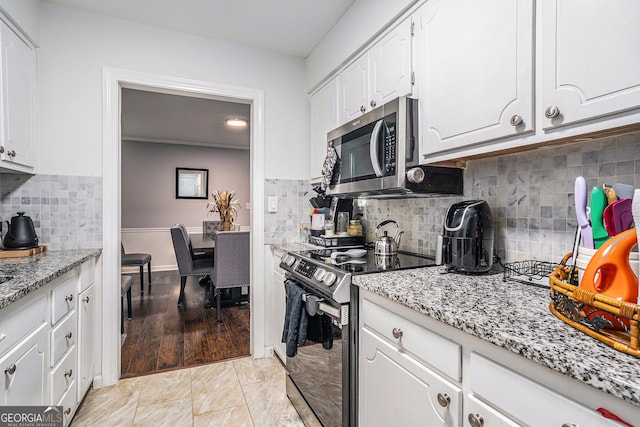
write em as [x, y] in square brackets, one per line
[25, 371]
[396, 390]
[18, 95]
[324, 118]
[390, 66]
[475, 71]
[589, 63]
[353, 90]
[86, 332]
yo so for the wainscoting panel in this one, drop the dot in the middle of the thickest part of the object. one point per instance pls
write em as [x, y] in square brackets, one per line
[154, 241]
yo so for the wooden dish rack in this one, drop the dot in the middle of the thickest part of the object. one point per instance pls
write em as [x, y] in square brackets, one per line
[567, 301]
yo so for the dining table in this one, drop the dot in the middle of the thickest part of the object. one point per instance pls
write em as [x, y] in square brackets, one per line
[201, 242]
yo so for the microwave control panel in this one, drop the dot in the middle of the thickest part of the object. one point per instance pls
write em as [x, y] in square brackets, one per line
[390, 153]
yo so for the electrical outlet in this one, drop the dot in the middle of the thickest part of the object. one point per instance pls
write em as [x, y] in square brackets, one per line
[272, 204]
[247, 206]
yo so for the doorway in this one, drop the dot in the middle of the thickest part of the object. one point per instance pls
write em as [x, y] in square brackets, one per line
[108, 313]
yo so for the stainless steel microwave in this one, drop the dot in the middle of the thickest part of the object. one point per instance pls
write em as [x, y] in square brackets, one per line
[378, 156]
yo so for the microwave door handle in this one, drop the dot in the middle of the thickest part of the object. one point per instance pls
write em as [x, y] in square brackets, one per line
[373, 148]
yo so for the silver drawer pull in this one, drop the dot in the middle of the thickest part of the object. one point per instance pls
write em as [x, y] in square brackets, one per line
[363, 108]
[552, 112]
[11, 369]
[69, 298]
[68, 373]
[67, 411]
[69, 335]
[516, 120]
[86, 299]
[444, 400]
[397, 333]
[570, 425]
[476, 420]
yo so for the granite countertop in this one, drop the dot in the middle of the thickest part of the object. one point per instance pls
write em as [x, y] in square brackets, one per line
[511, 315]
[30, 273]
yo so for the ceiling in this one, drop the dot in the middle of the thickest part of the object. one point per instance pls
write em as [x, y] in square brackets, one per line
[292, 27]
[175, 119]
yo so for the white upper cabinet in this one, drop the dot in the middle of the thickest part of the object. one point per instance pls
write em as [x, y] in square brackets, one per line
[589, 59]
[381, 74]
[474, 71]
[17, 147]
[324, 118]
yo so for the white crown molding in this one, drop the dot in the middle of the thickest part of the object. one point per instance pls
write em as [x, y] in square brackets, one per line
[182, 142]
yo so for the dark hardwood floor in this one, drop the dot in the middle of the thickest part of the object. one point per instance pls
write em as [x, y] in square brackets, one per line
[161, 336]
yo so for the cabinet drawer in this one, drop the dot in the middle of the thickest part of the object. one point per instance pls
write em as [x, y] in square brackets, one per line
[63, 337]
[17, 323]
[87, 274]
[486, 415]
[435, 350]
[525, 400]
[68, 403]
[63, 376]
[63, 299]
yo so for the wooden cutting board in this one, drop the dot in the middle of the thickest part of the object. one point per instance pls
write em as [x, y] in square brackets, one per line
[19, 253]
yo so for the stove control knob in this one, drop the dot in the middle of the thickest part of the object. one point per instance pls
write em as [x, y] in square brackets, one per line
[330, 278]
[284, 257]
[319, 274]
[289, 260]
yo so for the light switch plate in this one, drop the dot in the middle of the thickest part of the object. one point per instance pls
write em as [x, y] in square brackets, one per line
[272, 204]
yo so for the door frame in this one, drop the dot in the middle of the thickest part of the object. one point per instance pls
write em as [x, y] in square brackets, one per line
[107, 313]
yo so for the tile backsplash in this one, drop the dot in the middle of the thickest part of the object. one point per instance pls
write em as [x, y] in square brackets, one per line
[66, 210]
[530, 195]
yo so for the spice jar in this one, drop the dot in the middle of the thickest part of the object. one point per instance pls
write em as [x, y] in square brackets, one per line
[355, 228]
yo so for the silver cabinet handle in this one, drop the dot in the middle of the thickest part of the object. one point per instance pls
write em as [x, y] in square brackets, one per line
[69, 335]
[552, 112]
[1, 149]
[476, 420]
[86, 299]
[12, 153]
[11, 369]
[69, 298]
[68, 373]
[516, 120]
[443, 400]
[363, 108]
[397, 333]
[570, 425]
[373, 104]
[67, 411]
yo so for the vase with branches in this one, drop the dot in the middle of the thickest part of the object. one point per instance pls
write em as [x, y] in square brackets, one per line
[225, 203]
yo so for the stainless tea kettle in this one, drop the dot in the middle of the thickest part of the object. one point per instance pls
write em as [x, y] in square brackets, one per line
[21, 234]
[385, 244]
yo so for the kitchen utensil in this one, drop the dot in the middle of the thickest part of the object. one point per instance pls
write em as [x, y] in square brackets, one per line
[622, 216]
[351, 253]
[611, 195]
[581, 212]
[349, 261]
[609, 273]
[21, 234]
[597, 205]
[607, 219]
[385, 244]
[624, 191]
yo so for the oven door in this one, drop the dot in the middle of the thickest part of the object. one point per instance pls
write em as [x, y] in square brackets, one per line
[318, 375]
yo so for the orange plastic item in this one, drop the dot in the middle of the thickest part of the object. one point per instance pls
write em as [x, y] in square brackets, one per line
[609, 273]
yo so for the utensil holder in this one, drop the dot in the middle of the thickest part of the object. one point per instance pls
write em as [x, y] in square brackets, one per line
[568, 301]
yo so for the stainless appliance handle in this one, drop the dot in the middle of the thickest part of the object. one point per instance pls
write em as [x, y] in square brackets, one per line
[373, 147]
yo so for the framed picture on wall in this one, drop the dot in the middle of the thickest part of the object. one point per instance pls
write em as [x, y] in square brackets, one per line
[192, 183]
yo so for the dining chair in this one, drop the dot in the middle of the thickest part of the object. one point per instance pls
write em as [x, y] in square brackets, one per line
[125, 288]
[194, 255]
[136, 260]
[232, 264]
[187, 265]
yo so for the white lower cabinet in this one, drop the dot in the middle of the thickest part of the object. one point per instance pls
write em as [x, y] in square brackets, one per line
[25, 370]
[396, 389]
[416, 371]
[47, 345]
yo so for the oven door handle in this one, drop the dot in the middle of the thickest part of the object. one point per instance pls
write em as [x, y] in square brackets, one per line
[341, 315]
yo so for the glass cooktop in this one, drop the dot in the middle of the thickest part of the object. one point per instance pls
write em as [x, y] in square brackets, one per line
[370, 263]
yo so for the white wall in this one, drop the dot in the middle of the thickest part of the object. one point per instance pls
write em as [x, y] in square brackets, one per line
[24, 15]
[363, 21]
[149, 183]
[75, 45]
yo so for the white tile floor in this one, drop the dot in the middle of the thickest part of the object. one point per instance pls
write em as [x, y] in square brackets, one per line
[241, 392]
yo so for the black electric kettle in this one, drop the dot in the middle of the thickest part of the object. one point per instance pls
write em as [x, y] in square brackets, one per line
[21, 234]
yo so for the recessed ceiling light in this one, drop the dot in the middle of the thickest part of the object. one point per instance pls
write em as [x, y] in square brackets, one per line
[236, 122]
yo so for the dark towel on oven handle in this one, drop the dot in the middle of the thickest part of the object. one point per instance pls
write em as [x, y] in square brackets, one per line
[319, 330]
[294, 332]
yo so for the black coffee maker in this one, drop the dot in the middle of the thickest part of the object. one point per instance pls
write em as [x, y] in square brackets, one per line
[467, 240]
